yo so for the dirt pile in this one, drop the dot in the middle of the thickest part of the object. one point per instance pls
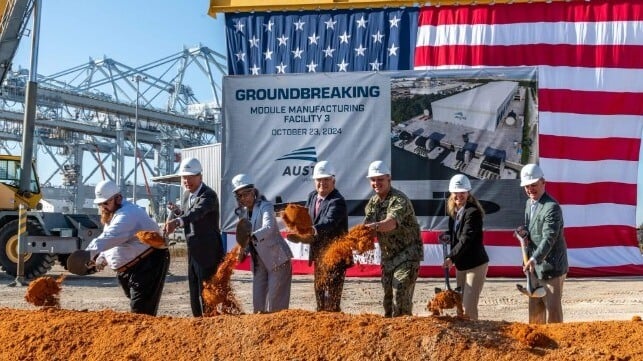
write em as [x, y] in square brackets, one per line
[445, 300]
[218, 296]
[297, 219]
[55, 334]
[358, 239]
[340, 253]
[530, 336]
[44, 291]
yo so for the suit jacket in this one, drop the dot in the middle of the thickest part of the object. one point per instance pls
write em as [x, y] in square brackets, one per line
[270, 246]
[330, 222]
[467, 245]
[201, 226]
[547, 243]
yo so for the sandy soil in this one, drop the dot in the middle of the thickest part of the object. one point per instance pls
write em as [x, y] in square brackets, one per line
[587, 299]
[89, 324]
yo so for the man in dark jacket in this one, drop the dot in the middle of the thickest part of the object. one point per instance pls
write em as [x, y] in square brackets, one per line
[199, 217]
[327, 209]
[547, 249]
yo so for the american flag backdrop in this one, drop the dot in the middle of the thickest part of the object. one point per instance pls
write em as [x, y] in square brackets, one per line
[589, 56]
[314, 42]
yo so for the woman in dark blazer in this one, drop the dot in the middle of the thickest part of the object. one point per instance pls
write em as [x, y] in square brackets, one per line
[467, 253]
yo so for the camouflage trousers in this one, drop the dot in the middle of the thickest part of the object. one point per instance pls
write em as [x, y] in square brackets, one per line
[399, 285]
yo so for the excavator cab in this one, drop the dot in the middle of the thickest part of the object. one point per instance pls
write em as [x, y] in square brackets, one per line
[10, 197]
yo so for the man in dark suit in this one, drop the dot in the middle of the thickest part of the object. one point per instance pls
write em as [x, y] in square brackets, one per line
[547, 249]
[327, 209]
[199, 217]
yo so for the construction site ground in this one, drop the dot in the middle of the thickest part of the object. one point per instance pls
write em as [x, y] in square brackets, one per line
[602, 321]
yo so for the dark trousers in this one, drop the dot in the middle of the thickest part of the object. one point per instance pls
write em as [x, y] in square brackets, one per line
[328, 288]
[198, 274]
[143, 283]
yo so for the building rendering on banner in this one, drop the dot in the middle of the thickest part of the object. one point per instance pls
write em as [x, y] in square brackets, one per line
[482, 107]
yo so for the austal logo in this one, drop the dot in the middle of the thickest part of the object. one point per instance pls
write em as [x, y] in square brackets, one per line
[305, 154]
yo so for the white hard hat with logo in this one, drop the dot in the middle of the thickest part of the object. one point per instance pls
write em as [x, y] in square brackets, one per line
[323, 169]
[530, 174]
[190, 166]
[459, 183]
[241, 181]
[105, 190]
[377, 168]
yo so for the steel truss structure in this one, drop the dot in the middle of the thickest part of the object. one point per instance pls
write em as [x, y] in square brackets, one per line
[87, 118]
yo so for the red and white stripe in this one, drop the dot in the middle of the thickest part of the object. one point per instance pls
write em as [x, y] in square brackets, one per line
[590, 65]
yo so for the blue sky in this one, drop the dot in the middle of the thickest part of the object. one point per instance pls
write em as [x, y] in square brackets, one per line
[134, 33]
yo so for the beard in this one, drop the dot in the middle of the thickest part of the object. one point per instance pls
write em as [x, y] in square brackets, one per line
[106, 217]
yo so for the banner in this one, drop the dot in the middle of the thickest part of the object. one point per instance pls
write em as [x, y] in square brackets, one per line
[276, 128]
[429, 125]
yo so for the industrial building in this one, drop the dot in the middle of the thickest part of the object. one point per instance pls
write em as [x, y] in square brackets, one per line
[482, 107]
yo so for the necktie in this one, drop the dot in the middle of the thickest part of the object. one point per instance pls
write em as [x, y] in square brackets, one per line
[532, 210]
[192, 199]
[317, 204]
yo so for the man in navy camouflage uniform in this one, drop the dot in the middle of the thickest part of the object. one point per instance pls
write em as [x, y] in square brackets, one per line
[390, 213]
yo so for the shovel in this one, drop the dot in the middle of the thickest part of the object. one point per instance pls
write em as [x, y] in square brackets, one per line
[444, 239]
[530, 290]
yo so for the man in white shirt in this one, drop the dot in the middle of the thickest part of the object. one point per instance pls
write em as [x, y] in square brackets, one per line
[140, 269]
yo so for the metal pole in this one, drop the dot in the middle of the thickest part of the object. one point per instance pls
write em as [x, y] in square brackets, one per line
[22, 236]
[138, 81]
[28, 126]
[29, 121]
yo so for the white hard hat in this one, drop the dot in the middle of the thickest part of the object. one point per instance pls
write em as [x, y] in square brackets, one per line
[189, 166]
[530, 174]
[377, 168]
[323, 169]
[105, 190]
[459, 183]
[241, 181]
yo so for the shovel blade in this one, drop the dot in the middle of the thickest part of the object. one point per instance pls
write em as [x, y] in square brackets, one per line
[539, 292]
[523, 290]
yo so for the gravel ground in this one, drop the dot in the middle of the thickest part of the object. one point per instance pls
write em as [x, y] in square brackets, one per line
[585, 299]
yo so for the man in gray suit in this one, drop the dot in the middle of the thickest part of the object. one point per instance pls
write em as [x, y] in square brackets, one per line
[547, 249]
[199, 217]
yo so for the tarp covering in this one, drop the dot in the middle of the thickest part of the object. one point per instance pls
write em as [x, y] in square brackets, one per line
[589, 121]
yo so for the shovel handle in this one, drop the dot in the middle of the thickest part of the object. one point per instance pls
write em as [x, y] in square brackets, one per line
[445, 252]
[523, 247]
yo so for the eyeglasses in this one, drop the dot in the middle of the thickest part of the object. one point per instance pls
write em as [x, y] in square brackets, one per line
[243, 194]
